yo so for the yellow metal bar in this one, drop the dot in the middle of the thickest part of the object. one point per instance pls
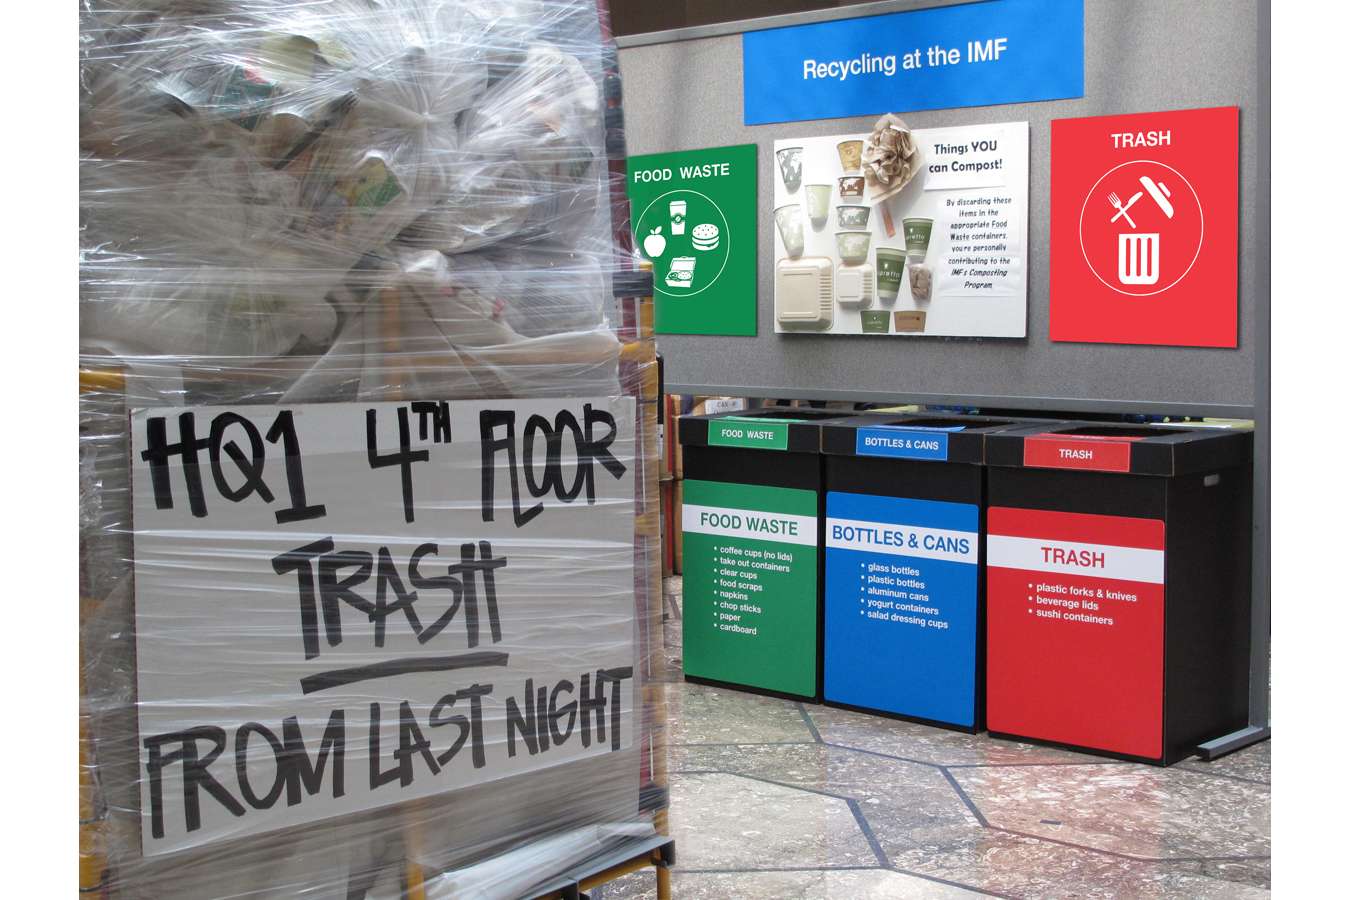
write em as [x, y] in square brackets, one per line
[645, 352]
[93, 859]
[613, 873]
[414, 882]
[93, 839]
[102, 380]
[622, 869]
[391, 316]
[93, 822]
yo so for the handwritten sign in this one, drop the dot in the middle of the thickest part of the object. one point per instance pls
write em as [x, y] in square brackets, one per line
[345, 606]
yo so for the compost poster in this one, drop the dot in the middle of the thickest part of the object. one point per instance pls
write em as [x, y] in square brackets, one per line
[344, 606]
[943, 255]
[694, 219]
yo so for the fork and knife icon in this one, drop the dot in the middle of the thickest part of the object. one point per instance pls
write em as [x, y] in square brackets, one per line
[1123, 210]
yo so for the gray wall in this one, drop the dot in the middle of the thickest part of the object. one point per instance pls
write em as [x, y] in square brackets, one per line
[1141, 56]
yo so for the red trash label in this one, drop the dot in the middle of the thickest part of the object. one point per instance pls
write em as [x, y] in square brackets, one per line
[1051, 452]
[1075, 631]
[1144, 228]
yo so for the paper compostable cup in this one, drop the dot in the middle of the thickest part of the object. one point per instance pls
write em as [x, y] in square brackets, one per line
[853, 218]
[851, 187]
[876, 321]
[789, 221]
[790, 165]
[890, 269]
[850, 155]
[818, 204]
[853, 246]
[917, 232]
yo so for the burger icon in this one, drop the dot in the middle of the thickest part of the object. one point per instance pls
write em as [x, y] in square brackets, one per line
[706, 237]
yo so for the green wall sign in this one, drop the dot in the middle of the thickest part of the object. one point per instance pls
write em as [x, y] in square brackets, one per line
[750, 585]
[693, 217]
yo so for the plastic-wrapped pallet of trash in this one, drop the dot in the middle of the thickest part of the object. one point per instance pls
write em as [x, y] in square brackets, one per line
[367, 477]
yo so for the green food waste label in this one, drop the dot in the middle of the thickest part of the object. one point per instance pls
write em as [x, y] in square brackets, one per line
[750, 599]
[748, 432]
[694, 219]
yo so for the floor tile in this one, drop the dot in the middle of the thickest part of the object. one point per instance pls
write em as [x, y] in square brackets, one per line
[1137, 810]
[1251, 872]
[770, 803]
[906, 795]
[700, 714]
[1015, 866]
[1251, 763]
[733, 822]
[640, 885]
[926, 743]
[871, 884]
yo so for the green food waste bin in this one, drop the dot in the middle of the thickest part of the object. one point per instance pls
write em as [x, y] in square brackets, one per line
[752, 568]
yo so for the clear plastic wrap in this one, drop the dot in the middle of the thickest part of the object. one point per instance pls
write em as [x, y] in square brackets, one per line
[306, 225]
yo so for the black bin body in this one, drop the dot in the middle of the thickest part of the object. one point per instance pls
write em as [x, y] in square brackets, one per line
[751, 532]
[1118, 587]
[903, 544]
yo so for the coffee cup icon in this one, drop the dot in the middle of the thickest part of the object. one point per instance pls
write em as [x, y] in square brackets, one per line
[677, 214]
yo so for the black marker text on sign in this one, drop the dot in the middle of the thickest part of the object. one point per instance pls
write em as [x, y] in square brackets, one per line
[332, 615]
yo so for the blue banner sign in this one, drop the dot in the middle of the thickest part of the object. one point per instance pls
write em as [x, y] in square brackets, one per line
[976, 54]
[902, 605]
[904, 443]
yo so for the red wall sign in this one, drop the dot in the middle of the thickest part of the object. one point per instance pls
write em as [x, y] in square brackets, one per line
[1075, 650]
[1144, 228]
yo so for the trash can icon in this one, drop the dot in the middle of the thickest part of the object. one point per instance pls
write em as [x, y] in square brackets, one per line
[1137, 258]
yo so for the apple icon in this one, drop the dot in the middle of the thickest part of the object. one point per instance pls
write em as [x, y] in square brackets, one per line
[654, 243]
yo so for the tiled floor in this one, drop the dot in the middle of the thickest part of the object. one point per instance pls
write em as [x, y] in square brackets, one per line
[775, 799]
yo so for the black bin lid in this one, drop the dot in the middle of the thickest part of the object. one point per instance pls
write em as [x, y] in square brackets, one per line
[915, 436]
[1162, 450]
[771, 428]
